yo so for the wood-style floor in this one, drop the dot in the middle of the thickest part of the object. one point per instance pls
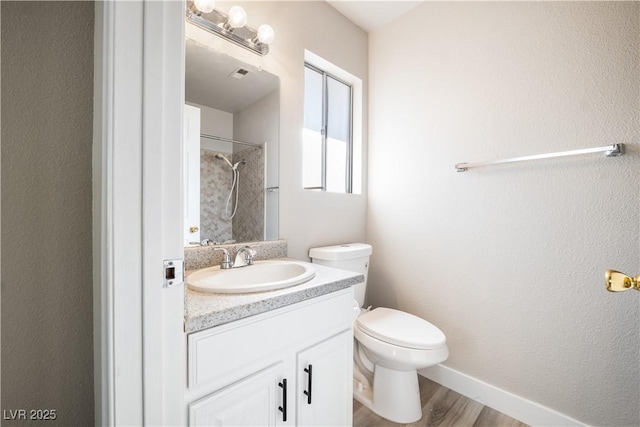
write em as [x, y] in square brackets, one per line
[440, 407]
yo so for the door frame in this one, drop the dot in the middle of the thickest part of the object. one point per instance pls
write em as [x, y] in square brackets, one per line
[139, 343]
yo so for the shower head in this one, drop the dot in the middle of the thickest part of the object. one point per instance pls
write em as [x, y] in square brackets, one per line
[241, 162]
[220, 156]
[233, 166]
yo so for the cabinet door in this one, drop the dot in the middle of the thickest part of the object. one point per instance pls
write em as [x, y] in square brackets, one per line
[325, 378]
[253, 401]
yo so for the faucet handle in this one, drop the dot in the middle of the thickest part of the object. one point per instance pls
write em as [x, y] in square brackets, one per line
[249, 253]
[226, 258]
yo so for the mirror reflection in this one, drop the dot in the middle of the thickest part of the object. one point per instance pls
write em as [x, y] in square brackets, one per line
[231, 149]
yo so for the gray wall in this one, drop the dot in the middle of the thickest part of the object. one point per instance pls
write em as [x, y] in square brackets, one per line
[509, 260]
[47, 91]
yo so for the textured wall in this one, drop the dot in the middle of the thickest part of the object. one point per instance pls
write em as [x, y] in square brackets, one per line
[47, 101]
[509, 260]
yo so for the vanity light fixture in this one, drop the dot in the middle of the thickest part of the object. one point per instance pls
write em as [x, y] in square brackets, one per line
[204, 6]
[231, 27]
[237, 18]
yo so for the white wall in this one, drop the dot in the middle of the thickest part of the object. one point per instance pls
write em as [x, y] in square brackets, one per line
[215, 123]
[509, 260]
[307, 218]
[260, 123]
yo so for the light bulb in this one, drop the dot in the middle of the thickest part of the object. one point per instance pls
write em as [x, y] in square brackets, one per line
[265, 34]
[237, 17]
[204, 6]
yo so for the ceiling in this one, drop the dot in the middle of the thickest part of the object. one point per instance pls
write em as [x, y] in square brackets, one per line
[371, 15]
[208, 81]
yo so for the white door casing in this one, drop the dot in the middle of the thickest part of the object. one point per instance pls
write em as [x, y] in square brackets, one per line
[192, 174]
[140, 359]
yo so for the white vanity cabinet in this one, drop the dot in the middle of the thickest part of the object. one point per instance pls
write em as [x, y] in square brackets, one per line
[291, 366]
[249, 402]
[325, 382]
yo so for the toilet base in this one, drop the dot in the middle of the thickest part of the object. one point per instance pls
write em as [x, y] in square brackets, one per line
[395, 395]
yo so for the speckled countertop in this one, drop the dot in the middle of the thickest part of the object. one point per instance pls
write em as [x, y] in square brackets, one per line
[205, 310]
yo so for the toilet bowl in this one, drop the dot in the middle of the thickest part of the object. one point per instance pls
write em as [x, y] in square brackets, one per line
[389, 347]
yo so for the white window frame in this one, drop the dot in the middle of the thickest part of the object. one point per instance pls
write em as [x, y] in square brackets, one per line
[354, 169]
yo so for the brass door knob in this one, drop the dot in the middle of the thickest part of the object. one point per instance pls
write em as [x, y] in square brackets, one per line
[618, 282]
[194, 229]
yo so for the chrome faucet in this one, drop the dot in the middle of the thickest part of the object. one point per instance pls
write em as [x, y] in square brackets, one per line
[226, 258]
[247, 259]
[240, 260]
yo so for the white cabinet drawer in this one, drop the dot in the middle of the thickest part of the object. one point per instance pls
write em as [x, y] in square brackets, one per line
[221, 355]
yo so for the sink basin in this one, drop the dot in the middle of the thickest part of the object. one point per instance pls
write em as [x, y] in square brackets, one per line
[261, 276]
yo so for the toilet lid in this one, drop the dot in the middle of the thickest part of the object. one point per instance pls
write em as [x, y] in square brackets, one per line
[400, 328]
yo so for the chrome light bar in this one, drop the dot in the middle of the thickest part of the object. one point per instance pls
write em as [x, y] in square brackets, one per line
[215, 22]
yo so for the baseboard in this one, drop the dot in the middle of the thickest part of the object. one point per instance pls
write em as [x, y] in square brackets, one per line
[517, 407]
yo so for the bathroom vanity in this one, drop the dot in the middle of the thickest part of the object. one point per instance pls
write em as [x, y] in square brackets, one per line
[272, 358]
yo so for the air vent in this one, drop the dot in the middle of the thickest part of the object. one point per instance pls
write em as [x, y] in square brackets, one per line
[239, 73]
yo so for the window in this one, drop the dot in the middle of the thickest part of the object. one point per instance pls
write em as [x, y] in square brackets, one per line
[328, 150]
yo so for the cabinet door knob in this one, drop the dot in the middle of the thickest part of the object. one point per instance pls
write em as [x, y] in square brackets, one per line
[307, 392]
[283, 408]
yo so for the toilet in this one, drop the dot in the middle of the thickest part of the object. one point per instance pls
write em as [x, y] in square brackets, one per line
[390, 345]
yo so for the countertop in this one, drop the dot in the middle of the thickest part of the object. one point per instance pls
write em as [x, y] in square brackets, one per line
[204, 310]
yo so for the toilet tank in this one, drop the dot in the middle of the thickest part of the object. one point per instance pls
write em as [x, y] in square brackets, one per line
[349, 256]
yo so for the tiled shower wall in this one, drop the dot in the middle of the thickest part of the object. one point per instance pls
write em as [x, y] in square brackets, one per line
[215, 183]
[248, 224]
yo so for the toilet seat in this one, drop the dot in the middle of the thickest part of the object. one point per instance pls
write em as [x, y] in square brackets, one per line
[400, 328]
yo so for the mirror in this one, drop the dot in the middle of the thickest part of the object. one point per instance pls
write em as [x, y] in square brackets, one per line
[231, 149]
